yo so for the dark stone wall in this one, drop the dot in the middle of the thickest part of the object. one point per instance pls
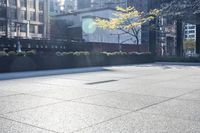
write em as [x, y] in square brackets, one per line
[179, 38]
[198, 39]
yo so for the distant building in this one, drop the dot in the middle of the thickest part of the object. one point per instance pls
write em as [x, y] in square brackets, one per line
[54, 7]
[190, 32]
[77, 5]
[84, 20]
[23, 18]
[166, 42]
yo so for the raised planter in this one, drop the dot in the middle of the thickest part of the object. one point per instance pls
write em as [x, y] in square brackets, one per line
[45, 62]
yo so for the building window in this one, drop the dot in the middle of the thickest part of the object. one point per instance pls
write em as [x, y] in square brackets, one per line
[52, 5]
[41, 5]
[41, 17]
[191, 31]
[2, 12]
[191, 36]
[2, 26]
[32, 28]
[23, 28]
[32, 4]
[191, 27]
[13, 2]
[2, 2]
[40, 29]
[32, 16]
[13, 13]
[23, 3]
[13, 27]
[23, 15]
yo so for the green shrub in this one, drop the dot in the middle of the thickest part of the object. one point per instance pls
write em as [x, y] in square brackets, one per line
[119, 53]
[12, 53]
[31, 53]
[59, 53]
[67, 53]
[3, 53]
[178, 59]
[107, 53]
[21, 53]
[81, 53]
[133, 53]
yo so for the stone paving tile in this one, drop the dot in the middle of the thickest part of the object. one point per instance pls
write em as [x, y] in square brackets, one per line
[191, 96]
[27, 87]
[122, 100]
[68, 93]
[162, 90]
[183, 109]
[65, 117]
[144, 123]
[7, 93]
[62, 82]
[180, 84]
[8, 126]
[20, 102]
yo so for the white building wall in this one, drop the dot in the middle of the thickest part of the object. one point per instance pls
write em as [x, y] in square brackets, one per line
[190, 32]
[99, 35]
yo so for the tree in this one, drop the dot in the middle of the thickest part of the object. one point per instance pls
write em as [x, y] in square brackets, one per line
[189, 45]
[128, 20]
[180, 8]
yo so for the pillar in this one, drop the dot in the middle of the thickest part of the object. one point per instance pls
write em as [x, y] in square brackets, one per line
[198, 38]
[179, 38]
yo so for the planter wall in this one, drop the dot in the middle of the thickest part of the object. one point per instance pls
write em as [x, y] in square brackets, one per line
[45, 62]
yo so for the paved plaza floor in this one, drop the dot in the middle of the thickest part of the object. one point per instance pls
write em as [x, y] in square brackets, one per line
[148, 98]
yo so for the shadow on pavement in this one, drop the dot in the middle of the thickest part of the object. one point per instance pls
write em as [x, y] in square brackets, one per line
[19, 75]
[170, 65]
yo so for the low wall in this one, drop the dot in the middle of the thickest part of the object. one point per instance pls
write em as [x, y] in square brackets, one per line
[45, 62]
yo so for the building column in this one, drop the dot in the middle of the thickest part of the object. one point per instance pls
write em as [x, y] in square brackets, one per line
[198, 38]
[152, 37]
[179, 38]
[152, 4]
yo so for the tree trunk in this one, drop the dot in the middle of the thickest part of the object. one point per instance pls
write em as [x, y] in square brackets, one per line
[152, 37]
[137, 41]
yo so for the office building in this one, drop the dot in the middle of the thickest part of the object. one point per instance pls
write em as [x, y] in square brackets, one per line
[190, 32]
[26, 19]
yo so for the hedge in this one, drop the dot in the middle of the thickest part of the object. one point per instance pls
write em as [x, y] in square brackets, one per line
[60, 60]
[178, 59]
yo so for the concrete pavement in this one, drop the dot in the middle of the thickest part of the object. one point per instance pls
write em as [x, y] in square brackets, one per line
[149, 98]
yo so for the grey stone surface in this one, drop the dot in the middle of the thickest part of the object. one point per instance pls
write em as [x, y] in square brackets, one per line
[26, 86]
[7, 93]
[10, 126]
[144, 123]
[191, 96]
[188, 110]
[66, 117]
[68, 93]
[163, 89]
[122, 100]
[21, 102]
[148, 98]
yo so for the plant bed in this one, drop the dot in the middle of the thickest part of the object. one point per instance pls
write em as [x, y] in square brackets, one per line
[178, 59]
[60, 60]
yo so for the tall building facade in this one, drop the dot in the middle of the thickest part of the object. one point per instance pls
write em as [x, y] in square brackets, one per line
[77, 5]
[25, 19]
